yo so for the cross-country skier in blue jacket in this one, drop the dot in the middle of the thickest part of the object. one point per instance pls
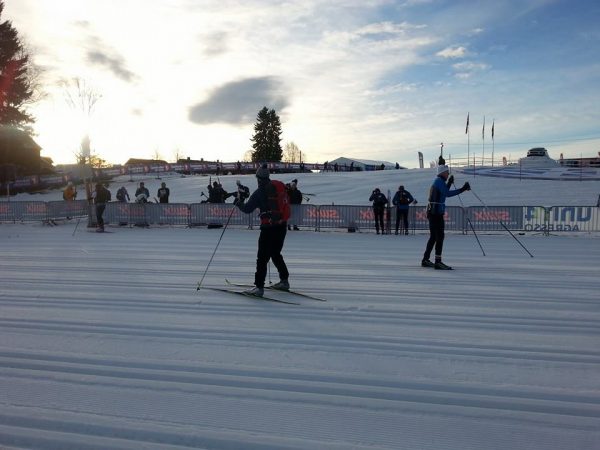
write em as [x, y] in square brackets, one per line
[436, 208]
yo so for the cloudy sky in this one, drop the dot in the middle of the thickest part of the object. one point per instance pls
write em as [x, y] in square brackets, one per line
[372, 79]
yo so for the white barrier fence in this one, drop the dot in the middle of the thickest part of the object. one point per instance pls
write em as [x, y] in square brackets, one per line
[313, 217]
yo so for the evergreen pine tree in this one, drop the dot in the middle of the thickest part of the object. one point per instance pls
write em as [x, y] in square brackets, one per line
[275, 150]
[15, 82]
[267, 137]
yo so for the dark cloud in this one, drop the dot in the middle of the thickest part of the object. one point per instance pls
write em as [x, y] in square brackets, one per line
[114, 63]
[238, 102]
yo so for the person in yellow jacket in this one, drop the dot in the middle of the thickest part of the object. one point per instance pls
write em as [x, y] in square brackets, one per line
[70, 193]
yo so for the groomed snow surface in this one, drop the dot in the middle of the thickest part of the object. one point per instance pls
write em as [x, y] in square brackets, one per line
[106, 344]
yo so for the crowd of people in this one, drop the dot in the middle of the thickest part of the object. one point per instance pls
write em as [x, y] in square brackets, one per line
[270, 243]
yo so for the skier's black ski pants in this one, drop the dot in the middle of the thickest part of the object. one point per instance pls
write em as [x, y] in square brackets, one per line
[436, 236]
[99, 213]
[270, 243]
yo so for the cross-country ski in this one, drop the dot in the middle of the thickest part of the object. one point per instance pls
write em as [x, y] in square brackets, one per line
[289, 291]
[247, 295]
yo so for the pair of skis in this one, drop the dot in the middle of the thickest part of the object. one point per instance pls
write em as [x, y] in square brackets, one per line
[270, 299]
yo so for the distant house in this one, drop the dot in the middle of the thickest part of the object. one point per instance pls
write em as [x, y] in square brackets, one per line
[345, 164]
[144, 162]
[593, 161]
[17, 148]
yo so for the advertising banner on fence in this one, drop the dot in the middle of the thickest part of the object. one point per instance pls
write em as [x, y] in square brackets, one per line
[62, 209]
[23, 211]
[490, 218]
[217, 214]
[561, 218]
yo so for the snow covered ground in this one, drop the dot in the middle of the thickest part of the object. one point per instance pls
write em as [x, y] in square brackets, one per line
[106, 344]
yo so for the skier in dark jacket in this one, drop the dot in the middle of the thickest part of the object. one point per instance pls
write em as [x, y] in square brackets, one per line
[101, 198]
[401, 200]
[272, 233]
[436, 208]
[295, 196]
[379, 201]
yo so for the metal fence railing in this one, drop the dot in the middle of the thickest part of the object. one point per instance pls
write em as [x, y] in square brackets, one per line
[313, 217]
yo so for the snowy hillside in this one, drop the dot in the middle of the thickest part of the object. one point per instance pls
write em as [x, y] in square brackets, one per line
[354, 188]
[106, 344]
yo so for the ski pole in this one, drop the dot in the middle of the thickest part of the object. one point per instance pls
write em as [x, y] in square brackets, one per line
[216, 247]
[470, 223]
[76, 225]
[504, 226]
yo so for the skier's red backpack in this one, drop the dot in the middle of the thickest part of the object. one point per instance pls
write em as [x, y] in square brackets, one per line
[279, 204]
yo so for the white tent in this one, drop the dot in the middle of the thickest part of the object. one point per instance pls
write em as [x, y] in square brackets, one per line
[344, 164]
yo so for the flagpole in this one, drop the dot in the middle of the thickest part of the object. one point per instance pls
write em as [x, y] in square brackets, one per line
[468, 143]
[483, 143]
[493, 142]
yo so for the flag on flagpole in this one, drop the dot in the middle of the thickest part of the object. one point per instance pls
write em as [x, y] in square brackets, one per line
[467, 129]
[493, 121]
[483, 129]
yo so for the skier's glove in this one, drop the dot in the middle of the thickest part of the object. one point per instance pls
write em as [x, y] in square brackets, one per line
[466, 187]
[450, 181]
[415, 202]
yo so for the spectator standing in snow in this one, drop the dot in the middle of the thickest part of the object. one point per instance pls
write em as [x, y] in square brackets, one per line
[70, 193]
[101, 198]
[436, 207]
[142, 194]
[272, 233]
[163, 193]
[401, 200]
[123, 195]
[295, 196]
[379, 201]
[216, 193]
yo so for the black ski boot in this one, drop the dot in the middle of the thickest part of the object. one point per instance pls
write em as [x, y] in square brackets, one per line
[441, 266]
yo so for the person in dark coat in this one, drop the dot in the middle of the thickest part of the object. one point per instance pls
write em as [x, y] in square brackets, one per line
[401, 200]
[142, 194]
[101, 198]
[379, 201]
[163, 193]
[216, 193]
[272, 234]
[123, 195]
[436, 208]
[295, 196]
